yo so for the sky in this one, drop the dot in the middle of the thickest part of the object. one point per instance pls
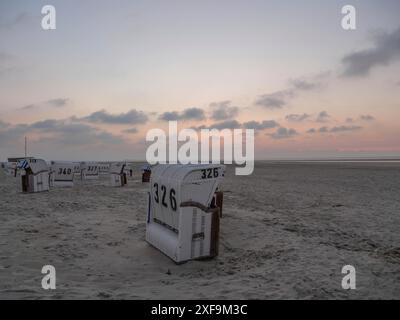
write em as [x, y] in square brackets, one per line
[112, 70]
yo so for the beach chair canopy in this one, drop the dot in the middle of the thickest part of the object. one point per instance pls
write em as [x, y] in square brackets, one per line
[117, 168]
[35, 165]
[174, 185]
[146, 167]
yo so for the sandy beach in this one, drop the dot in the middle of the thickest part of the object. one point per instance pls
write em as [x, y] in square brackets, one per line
[287, 231]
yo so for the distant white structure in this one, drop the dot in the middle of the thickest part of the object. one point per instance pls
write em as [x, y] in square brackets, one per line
[34, 176]
[62, 174]
[104, 168]
[181, 221]
[5, 168]
[117, 174]
[89, 170]
[9, 168]
[77, 168]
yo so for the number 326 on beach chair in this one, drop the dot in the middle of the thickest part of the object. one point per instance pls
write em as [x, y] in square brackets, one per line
[182, 222]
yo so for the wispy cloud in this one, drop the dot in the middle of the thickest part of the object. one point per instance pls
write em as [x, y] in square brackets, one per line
[266, 124]
[223, 110]
[131, 131]
[283, 133]
[345, 129]
[131, 117]
[337, 129]
[367, 117]
[58, 102]
[61, 132]
[297, 117]
[229, 124]
[29, 107]
[16, 20]
[279, 99]
[385, 50]
[304, 84]
[234, 124]
[323, 116]
[195, 114]
[276, 100]
[53, 103]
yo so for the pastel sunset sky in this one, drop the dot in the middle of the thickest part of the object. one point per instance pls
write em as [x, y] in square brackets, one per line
[112, 70]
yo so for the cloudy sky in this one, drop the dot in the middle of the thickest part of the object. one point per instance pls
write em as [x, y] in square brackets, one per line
[112, 70]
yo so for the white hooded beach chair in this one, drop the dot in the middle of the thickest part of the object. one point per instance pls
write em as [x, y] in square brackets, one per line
[62, 174]
[104, 168]
[35, 175]
[117, 174]
[90, 170]
[181, 221]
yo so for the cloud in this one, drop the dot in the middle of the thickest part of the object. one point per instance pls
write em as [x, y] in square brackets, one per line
[20, 18]
[59, 102]
[196, 114]
[85, 136]
[349, 120]
[313, 82]
[279, 99]
[338, 129]
[367, 117]
[297, 117]
[230, 124]
[323, 116]
[302, 84]
[276, 100]
[223, 111]
[131, 117]
[131, 131]
[10, 133]
[29, 107]
[345, 129]
[170, 116]
[55, 103]
[193, 114]
[46, 124]
[266, 124]
[60, 132]
[283, 133]
[233, 124]
[385, 50]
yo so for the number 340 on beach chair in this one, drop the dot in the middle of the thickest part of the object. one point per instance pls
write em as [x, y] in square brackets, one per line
[183, 220]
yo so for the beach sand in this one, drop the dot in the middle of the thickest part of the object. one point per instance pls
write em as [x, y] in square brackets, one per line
[287, 231]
